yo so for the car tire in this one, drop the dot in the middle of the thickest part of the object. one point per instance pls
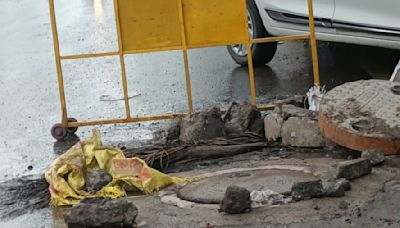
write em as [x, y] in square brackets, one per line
[263, 52]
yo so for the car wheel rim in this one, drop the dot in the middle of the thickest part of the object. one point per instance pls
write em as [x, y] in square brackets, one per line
[240, 49]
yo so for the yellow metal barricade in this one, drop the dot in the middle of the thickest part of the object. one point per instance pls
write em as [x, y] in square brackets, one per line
[159, 25]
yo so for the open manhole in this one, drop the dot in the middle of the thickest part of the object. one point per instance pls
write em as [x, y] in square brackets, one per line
[363, 115]
[212, 190]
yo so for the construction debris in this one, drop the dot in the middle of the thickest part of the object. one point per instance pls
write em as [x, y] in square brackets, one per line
[236, 200]
[96, 180]
[376, 157]
[353, 169]
[302, 132]
[307, 189]
[240, 117]
[337, 188]
[160, 156]
[100, 212]
[268, 197]
[202, 126]
[296, 126]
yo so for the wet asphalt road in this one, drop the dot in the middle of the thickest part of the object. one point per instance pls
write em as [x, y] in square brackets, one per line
[29, 100]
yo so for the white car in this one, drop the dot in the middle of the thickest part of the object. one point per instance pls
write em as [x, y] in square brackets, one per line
[364, 22]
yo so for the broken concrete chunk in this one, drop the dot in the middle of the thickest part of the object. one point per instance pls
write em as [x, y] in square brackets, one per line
[96, 180]
[294, 111]
[337, 188]
[302, 132]
[353, 169]
[376, 157]
[307, 189]
[240, 117]
[236, 200]
[273, 125]
[297, 100]
[345, 183]
[100, 212]
[202, 126]
[258, 126]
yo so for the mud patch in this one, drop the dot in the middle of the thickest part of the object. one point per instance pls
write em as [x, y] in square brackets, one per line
[22, 195]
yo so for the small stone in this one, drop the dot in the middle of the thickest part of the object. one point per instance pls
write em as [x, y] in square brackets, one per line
[96, 180]
[307, 189]
[240, 117]
[376, 157]
[302, 132]
[345, 183]
[272, 126]
[236, 200]
[316, 207]
[30, 167]
[100, 212]
[353, 169]
[343, 205]
[334, 189]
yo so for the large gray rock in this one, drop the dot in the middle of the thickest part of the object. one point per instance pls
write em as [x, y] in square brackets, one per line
[302, 132]
[240, 117]
[273, 126]
[202, 126]
[376, 157]
[99, 212]
[236, 200]
[307, 189]
[353, 169]
[96, 180]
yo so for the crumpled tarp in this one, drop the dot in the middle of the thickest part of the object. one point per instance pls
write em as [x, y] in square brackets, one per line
[66, 175]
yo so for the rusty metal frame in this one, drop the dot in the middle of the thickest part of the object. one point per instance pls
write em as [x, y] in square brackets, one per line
[184, 48]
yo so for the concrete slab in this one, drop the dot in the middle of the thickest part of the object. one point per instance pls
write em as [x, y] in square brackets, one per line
[363, 115]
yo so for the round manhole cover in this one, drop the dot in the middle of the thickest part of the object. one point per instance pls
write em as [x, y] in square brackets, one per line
[363, 115]
[212, 190]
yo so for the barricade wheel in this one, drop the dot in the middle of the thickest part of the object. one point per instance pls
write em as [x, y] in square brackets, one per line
[59, 131]
[72, 130]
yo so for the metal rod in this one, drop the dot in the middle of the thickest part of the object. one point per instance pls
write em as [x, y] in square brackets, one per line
[64, 118]
[128, 120]
[313, 42]
[249, 56]
[84, 56]
[266, 107]
[280, 38]
[185, 57]
[173, 48]
[122, 61]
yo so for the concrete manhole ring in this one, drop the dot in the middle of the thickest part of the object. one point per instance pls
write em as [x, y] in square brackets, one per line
[211, 190]
[363, 115]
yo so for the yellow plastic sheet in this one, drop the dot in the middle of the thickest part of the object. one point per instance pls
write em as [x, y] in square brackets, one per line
[66, 175]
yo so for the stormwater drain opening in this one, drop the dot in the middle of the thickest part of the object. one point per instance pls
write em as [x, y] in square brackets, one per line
[211, 190]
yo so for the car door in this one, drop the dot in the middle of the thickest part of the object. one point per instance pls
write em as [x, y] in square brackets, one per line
[374, 16]
[289, 13]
